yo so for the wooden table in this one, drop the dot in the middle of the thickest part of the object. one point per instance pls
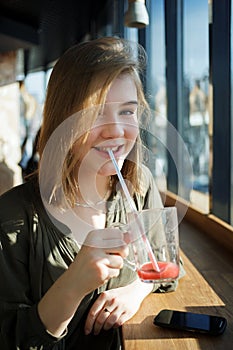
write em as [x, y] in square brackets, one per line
[193, 294]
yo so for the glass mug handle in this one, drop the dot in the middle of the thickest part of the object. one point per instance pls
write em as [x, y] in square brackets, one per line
[123, 228]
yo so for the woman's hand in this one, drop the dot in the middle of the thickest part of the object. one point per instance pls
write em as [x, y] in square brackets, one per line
[99, 259]
[114, 307]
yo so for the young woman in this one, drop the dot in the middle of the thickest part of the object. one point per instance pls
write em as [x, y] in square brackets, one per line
[64, 284]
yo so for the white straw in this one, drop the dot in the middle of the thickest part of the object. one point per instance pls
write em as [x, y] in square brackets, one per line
[134, 210]
[122, 182]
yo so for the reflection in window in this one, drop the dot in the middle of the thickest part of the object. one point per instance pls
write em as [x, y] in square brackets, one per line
[196, 77]
[156, 86]
[32, 91]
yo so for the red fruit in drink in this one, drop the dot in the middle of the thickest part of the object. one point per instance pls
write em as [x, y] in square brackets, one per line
[168, 270]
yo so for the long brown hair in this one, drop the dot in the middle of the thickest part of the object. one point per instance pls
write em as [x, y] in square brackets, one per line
[81, 79]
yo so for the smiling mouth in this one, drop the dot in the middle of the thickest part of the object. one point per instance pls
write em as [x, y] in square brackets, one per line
[106, 149]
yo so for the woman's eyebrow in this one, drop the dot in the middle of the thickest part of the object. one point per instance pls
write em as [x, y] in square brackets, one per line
[130, 103]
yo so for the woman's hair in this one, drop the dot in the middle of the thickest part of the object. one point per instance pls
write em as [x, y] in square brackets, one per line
[80, 80]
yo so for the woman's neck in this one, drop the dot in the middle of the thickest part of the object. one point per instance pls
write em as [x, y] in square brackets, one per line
[94, 190]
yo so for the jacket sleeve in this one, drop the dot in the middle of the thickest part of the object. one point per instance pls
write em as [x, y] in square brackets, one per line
[20, 325]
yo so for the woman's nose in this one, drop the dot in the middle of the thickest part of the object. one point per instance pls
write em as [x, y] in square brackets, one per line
[113, 130]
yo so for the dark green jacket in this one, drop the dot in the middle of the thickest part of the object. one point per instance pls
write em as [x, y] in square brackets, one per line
[33, 254]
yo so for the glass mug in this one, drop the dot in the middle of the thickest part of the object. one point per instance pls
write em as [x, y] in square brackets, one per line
[154, 239]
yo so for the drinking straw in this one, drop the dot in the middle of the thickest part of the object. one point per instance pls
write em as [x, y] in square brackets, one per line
[134, 210]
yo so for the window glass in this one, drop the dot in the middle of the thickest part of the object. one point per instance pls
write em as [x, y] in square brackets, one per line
[156, 93]
[196, 84]
[32, 92]
[231, 131]
[10, 154]
[131, 34]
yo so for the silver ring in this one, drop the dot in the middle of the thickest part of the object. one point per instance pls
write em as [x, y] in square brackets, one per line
[106, 310]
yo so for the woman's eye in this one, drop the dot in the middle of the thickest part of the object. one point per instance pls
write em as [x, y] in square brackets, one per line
[128, 112]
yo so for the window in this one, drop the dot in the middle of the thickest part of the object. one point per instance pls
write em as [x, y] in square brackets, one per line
[156, 93]
[178, 68]
[196, 97]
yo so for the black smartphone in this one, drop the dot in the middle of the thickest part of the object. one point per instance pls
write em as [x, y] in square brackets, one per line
[189, 321]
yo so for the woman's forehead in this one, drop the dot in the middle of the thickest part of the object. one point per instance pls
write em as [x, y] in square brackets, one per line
[123, 89]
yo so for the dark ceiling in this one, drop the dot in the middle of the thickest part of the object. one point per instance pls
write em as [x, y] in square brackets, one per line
[45, 28]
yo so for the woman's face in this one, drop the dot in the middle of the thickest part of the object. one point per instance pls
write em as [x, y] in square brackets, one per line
[115, 128]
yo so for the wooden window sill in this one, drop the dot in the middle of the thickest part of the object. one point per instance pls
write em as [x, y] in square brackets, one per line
[206, 223]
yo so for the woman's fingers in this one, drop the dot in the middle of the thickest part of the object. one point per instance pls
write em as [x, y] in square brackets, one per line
[109, 316]
[106, 319]
[100, 257]
[103, 314]
[114, 261]
[108, 238]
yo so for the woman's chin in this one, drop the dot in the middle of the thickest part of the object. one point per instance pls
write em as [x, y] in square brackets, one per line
[107, 170]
